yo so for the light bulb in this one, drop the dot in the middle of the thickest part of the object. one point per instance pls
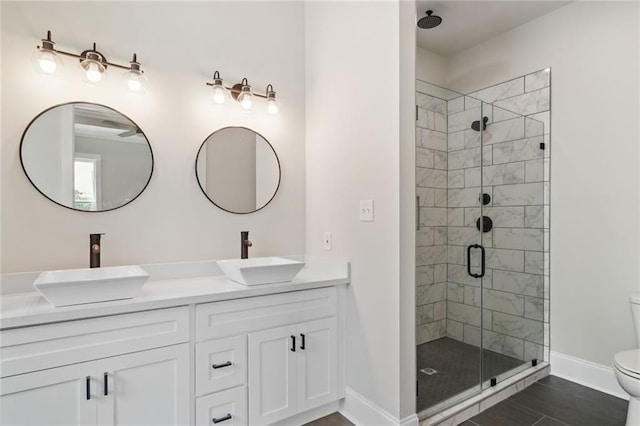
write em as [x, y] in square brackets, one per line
[93, 72]
[245, 101]
[219, 95]
[133, 83]
[47, 62]
[272, 106]
[135, 78]
[45, 59]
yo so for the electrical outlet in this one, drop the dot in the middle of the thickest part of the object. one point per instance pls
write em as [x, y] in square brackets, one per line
[327, 240]
[366, 210]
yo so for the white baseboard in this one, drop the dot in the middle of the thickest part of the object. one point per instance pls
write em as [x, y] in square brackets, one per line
[586, 373]
[361, 411]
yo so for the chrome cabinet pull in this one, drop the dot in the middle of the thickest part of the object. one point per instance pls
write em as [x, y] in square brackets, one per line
[221, 419]
[226, 364]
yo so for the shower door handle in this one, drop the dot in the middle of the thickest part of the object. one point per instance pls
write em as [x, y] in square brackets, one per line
[417, 212]
[482, 261]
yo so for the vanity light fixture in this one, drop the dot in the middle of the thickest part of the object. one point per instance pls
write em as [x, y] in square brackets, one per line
[272, 104]
[135, 78]
[242, 93]
[218, 91]
[92, 62]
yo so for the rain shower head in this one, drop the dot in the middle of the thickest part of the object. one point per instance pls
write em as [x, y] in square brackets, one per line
[429, 21]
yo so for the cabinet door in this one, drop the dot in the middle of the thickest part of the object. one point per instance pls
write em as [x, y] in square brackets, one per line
[272, 375]
[317, 363]
[145, 388]
[57, 396]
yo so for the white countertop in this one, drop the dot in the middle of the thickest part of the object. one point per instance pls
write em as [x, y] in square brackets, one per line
[169, 285]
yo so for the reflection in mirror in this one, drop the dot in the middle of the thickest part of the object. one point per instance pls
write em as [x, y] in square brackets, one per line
[86, 157]
[238, 170]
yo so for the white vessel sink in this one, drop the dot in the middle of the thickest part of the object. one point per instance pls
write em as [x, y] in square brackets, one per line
[76, 286]
[260, 270]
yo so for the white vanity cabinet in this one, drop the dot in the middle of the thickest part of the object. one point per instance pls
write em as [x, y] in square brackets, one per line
[216, 354]
[57, 396]
[98, 371]
[291, 359]
[292, 369]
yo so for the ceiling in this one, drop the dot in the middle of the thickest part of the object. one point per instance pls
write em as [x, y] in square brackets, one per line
[98, 122]
[468, 23]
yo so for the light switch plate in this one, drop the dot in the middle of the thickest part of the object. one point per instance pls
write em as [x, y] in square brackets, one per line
[366, 210]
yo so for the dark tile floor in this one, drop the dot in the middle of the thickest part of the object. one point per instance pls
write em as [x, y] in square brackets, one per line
[335, 419]
[549, 402]
[458, 366]
[553, 401]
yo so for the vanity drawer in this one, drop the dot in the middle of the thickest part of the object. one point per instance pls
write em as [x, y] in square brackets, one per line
[52, 345]
[226, 408]
[221, 364]
[233, 317]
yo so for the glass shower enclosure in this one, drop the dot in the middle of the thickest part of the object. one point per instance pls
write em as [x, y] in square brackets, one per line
[481, 239]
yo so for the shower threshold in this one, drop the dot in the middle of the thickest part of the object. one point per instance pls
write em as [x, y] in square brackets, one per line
[463, 406]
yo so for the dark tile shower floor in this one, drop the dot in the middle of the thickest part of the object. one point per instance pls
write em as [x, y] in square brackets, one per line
[458, 369]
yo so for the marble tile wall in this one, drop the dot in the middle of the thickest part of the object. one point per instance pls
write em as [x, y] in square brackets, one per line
[431, 237]
[512, 305]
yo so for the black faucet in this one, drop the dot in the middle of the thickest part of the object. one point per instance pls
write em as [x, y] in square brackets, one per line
[245, 243]
[94, 250]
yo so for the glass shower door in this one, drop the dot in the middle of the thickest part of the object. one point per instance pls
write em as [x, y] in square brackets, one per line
[512, 288]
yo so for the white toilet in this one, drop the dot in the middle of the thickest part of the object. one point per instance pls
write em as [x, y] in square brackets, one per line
[627, 368]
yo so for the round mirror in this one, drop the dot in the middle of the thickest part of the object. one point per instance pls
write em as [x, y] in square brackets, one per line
[238, 170]
[86, 157]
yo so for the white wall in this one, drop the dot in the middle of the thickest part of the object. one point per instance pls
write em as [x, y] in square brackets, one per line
[180, 45]
[407, 191]
[353, 153]
[431, 67]
[594, 162]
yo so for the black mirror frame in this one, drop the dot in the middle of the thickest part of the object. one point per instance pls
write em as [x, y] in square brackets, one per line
[71, 208]
[274, 153]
